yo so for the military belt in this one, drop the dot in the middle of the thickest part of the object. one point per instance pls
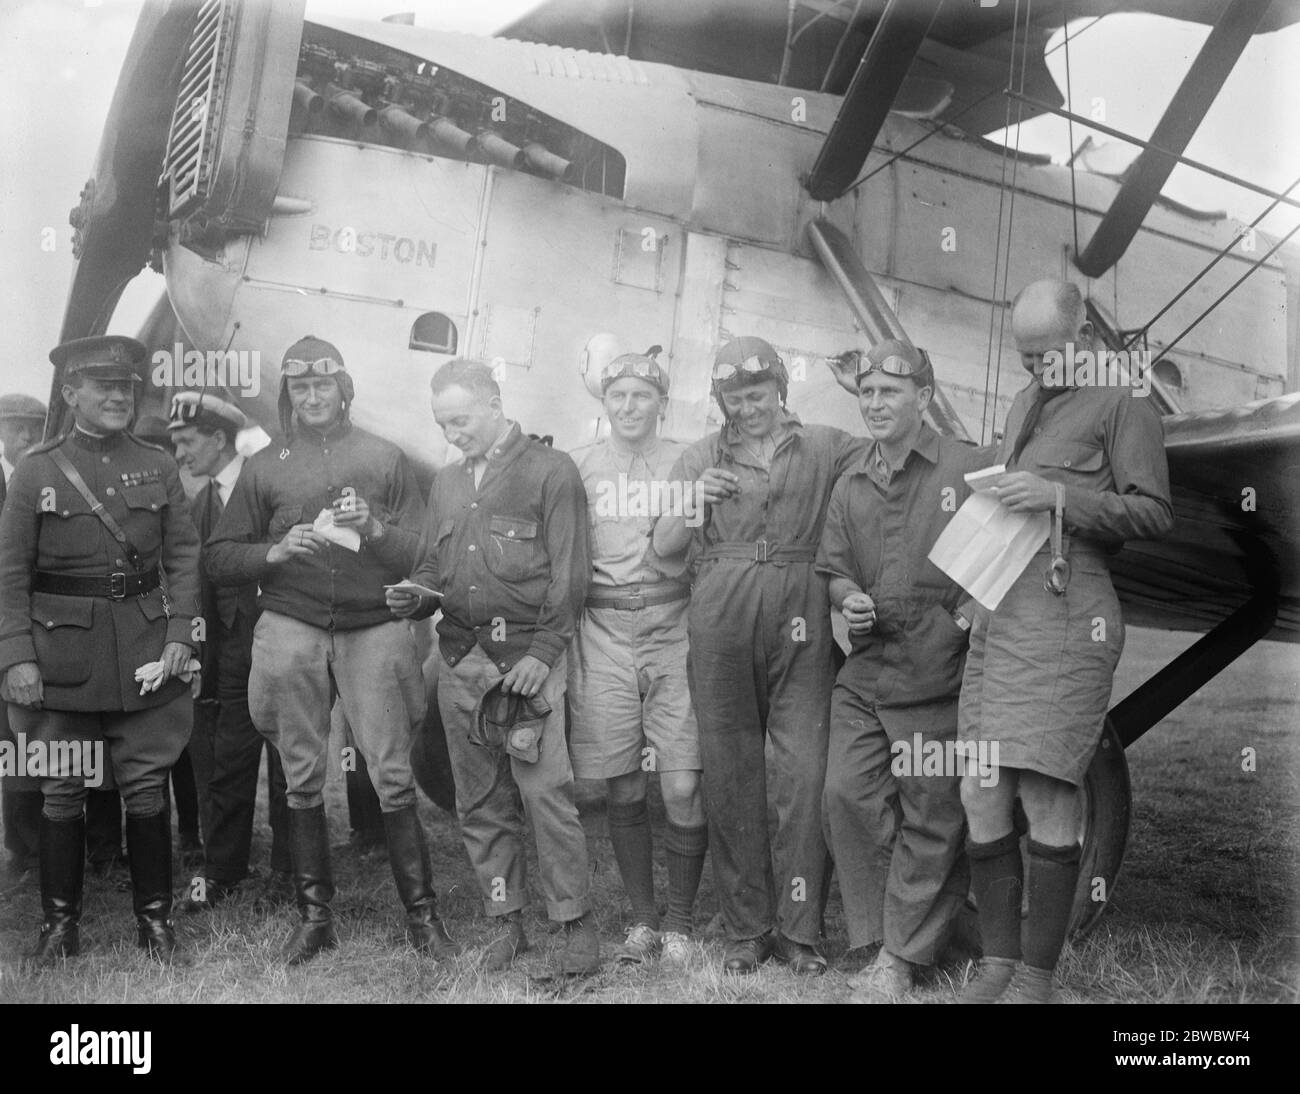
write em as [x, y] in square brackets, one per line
[116, 586]
[762, 551]
[634, 602]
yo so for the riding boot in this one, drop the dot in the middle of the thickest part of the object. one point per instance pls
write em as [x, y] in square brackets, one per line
[149, 854]
[412, 874]
[310, 849]
[63, 861]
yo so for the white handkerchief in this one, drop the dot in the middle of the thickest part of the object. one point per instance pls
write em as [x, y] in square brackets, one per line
[344, 537]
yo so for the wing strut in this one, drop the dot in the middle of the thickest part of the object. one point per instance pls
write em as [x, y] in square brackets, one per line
[873, 312]
[896, 40]
[1150, 171]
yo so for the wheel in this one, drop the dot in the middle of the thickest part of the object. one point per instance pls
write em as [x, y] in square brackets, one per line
[1105, 808]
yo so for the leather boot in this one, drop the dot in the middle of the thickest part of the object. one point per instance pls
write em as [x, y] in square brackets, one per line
[62, 869]
[309, 847]
[413, 876]
[149, 854]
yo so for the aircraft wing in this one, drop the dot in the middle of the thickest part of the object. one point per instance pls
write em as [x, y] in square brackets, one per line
[960, 68]
[1234, 475]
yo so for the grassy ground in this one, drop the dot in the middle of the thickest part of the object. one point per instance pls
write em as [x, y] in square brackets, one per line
[1205, 911]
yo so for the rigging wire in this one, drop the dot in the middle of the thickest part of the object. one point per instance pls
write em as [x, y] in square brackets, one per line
[1210, 265]
[1011, 206]
[938, 128]
[997, 248]
[1069, 102]
[1229, 290]
[839, 46]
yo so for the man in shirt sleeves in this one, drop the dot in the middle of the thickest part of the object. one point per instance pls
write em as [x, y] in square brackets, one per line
[505, 542]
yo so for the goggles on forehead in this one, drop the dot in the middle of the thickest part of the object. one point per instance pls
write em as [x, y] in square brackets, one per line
[185, 410]
[893, 365]
[324, 366]
[643, 369]
[725, 370]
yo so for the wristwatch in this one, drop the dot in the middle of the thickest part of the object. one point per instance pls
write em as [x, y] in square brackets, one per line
[960, 620]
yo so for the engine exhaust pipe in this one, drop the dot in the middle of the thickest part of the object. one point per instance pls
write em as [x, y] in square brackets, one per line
[449, 135]
[541, 159]
[395, 120]
[349, 107]
[304, 98]
[498, 150]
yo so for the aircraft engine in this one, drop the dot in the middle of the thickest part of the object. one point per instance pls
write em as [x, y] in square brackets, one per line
[542, 159]
[344, 104]
[498, 150]
[403, 125]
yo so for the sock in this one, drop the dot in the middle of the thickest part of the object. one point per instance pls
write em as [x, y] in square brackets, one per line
[997, 879]
[1053, 876]
[629, 832]
[684, 848]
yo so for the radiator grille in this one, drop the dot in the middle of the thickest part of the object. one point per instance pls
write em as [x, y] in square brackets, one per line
[196, 121]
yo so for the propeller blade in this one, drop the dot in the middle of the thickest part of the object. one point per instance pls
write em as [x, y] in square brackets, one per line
[113, 225]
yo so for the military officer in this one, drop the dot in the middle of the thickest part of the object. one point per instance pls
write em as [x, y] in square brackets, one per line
[98, 579]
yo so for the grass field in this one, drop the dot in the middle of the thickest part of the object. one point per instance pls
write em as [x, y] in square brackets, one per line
[1205, 910]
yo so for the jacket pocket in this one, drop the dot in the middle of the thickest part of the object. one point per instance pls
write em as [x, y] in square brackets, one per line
[513, 552]
[1071, 456]
[63, 636]
[147, 504]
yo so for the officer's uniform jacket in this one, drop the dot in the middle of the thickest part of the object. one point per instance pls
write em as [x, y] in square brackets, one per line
[88, 647]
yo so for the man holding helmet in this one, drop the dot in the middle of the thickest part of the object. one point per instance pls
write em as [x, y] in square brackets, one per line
[760, 663]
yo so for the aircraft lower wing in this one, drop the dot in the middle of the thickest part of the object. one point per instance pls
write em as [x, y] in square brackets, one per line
[1236, 484]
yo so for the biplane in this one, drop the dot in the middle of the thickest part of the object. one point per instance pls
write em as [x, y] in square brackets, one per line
[608, 174]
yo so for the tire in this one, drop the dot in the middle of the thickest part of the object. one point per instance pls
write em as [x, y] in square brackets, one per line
[1106, 809]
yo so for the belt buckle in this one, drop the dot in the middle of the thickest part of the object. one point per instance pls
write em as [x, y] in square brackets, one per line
[635, 602]
[760, 551]
[117, 586]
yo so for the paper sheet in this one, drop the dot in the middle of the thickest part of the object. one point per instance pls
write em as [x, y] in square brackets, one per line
[406, 585]
[986, 546]
[344, 537]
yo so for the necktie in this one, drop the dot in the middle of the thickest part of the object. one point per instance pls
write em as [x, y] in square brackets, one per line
[1041, 396]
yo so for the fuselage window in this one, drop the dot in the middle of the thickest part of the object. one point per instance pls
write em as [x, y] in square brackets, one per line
[1169, 375]
[433, 332]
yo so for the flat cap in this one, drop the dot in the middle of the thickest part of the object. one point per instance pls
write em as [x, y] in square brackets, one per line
[105, 357]
[21, 406]
[207, 410]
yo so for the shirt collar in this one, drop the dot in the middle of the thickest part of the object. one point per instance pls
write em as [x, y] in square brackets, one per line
[622, 452]
[926, 445]
[790, 421]
[225, 478]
